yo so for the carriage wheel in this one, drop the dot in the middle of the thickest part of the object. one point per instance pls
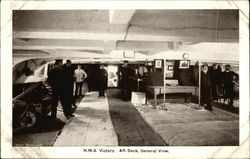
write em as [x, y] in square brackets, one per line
[28, 120]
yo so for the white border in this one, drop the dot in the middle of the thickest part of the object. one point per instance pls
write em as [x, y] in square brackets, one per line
[7, 151]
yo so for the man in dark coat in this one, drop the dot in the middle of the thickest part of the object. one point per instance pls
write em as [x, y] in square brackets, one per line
[69, 86]
[56, 78]
[124, 80]
[196, 74]
[103, 79]
[205, 88]
[227, 77]
[215, 78]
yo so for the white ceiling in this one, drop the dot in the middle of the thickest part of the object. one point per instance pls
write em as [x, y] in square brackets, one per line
[104, 31]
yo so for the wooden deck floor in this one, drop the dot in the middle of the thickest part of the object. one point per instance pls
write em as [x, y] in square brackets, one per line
[91, 125]
[114, 122]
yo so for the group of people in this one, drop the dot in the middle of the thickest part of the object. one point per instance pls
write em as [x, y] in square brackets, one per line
[214, 81]
[62, 78]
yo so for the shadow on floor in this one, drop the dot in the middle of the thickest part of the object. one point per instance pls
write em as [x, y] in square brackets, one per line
[46, 124]
[90, 112]
[225, 107]
[129, 125]
[43, 133]
[222, 106]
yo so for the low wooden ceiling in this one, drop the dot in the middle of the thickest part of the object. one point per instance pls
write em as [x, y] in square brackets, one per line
[104, 31]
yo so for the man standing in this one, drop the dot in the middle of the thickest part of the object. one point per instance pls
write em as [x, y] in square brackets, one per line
[215, 78]
[228, 77]
[69, 86]
[56, 78]
[205, 88]
[80, 75]
[196, 74]
[124, 80]
[102, 81]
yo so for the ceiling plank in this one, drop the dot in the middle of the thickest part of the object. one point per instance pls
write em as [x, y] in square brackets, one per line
[37, 47]
[57, 42]
[136, 34]
[46, 34]
[142, 45]
[105, 46]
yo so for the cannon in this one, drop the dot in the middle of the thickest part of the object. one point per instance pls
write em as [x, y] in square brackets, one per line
[31, 102]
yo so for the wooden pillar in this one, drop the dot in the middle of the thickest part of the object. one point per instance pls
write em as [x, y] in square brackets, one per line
[164, 82]
[199, 97]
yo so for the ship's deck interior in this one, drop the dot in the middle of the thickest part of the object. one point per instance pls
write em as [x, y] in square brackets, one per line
[141, 37]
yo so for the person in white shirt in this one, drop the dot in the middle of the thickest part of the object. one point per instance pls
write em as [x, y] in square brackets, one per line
[80, 76]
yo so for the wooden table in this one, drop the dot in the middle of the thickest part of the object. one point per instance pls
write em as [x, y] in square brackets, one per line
[156, 90]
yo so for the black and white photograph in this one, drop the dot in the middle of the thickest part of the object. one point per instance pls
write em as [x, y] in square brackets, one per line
[135, 82]
[184, 64]
[158, 63]
[57, 89]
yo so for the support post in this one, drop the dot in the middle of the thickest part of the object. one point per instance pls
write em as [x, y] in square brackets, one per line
[199, 97]
[164, 84]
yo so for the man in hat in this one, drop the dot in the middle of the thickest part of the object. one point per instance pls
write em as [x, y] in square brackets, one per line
[69, 86]
[56, 78]
[205, 88]
[228, 77]
[102, 81]
[124, 80]
[196, 74]
[215, 80]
